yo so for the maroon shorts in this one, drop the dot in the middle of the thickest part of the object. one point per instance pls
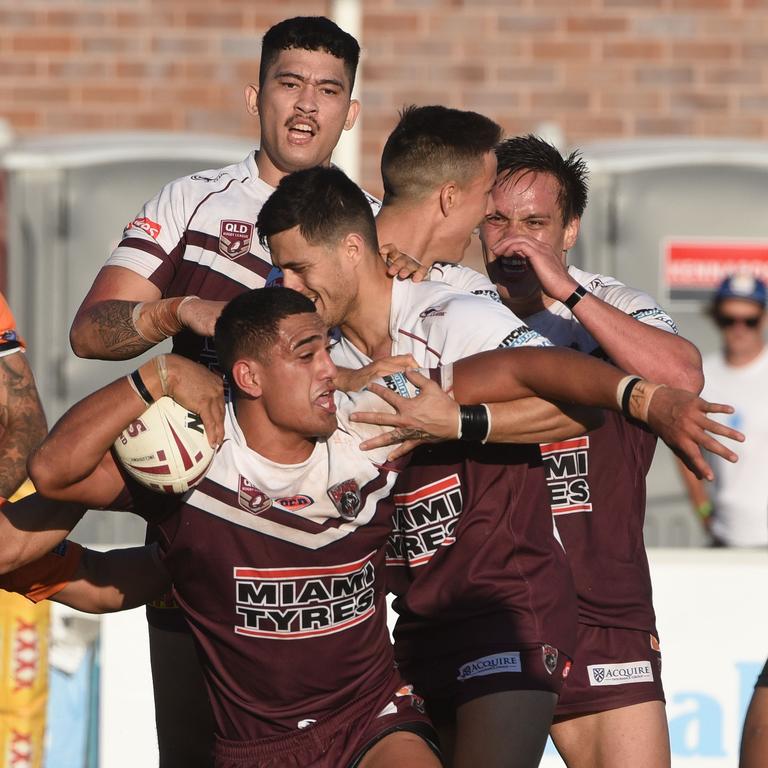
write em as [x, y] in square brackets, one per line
[446, 682]
[340, 740]
[613, 668]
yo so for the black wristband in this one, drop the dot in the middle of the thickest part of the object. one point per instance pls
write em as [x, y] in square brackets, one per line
[627, 394]
[575, 297]
[474, 422]
[141, 388]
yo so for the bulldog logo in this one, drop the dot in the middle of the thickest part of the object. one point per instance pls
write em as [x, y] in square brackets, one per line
[346, 498]
[549, 654]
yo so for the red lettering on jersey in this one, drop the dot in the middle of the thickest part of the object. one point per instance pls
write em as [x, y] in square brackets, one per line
[152, 228]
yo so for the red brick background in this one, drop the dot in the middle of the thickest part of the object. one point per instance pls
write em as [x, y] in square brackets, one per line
[595, 68]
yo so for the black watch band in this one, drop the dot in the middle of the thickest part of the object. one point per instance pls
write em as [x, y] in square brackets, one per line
[575, 297]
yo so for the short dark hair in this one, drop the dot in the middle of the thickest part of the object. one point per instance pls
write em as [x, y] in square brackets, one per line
[531, 154]
[432, 145]
[310, 33]
[323, 203]
[249, 323]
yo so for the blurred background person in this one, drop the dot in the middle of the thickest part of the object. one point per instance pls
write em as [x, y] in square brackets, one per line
[734, 509]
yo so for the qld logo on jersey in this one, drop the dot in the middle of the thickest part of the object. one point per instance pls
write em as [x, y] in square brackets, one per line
[251, 498]
[235, 238]
[298, 603]
[346, 498]
[567, 467]
[425, 520]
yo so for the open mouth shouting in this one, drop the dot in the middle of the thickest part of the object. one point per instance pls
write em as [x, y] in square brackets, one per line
[301, 130]
[326, 401]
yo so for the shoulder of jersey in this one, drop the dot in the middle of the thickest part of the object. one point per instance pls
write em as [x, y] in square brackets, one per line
[203, 183]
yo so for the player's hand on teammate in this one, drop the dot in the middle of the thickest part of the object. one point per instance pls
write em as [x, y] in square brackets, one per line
[200, 315]
[431, 416]
[548, 263]
[680, 419]
[195, 387]
[402, 265]
[352, 380]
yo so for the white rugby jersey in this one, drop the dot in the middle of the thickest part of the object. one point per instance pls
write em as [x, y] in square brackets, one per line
[439, 324]
[335, 467]
[559, 325]
[205, 221]
[464, 278]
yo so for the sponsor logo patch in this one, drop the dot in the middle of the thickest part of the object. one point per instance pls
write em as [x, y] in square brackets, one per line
[346, 498]
[432, 312]
[294, 503]
[567, 468]
[424, 521]
[524, 337]
[618, 674]
[235, 238]
[251, 499]
[491, 665]
[399, 384]
[200, 177]
[295, 603]
[655, 313]
[152, 228]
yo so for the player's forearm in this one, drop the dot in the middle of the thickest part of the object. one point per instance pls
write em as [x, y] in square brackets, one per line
[22, 420]
[551, 373]
[81, 439]
[117, 580]
[533, 420]
[639, 348]
[106, 331]
[33, 526]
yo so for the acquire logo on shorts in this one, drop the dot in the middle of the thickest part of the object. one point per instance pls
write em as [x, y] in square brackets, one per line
[618, 674]
[491, 665]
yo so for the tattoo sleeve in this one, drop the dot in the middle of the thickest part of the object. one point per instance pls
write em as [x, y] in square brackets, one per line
[22, 421]
[113, 332]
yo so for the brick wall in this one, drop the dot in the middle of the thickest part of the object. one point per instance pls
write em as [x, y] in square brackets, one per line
[595, 68]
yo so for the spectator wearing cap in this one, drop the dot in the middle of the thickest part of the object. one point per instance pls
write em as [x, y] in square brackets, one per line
[734, 509]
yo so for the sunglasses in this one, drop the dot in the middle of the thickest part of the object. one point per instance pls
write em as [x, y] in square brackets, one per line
[727, 321]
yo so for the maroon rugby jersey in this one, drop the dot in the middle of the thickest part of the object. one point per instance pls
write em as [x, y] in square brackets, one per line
[474, 548]
[279, 571]
[597, 483]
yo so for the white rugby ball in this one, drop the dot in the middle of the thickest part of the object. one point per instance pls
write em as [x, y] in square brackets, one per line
[165, 449]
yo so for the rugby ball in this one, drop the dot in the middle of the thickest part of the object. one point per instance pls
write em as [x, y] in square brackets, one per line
[165, 449]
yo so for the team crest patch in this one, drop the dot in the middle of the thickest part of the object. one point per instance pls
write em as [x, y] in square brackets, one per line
[549, 654]
[346, 498]
[251, 499]
[235, 238]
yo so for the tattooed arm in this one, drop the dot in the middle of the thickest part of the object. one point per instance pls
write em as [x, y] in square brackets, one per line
[22, 421]
[105, 326]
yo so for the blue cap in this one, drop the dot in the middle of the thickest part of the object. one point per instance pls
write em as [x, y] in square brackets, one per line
[742, 286]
